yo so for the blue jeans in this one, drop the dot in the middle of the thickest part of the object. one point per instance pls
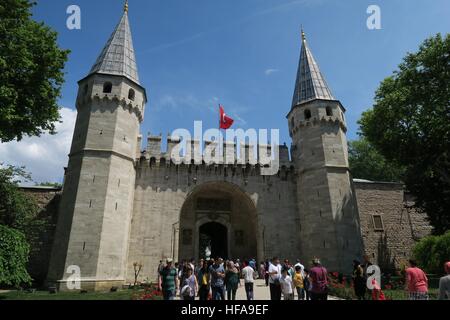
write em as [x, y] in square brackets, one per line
[249, 290]
[169, 294]
[218, 293]
[301, 293]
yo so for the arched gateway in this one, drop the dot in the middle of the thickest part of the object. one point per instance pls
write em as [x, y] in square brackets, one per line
[221, 218]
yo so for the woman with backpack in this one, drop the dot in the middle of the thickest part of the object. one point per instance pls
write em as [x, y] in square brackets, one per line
[190, 285]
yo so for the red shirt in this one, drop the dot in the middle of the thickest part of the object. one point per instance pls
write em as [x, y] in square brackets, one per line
[417, 280]
[319, 279]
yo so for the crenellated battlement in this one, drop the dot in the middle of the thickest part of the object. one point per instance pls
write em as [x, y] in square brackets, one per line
[210, 153]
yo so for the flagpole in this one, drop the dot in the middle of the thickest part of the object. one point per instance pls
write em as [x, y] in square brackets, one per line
[220, 125]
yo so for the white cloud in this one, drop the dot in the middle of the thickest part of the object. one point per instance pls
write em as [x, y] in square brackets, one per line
[44, 157]
[268, 72]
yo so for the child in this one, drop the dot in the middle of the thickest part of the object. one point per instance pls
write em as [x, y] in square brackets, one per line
[307, 284]
[298, 283]
[287, 286]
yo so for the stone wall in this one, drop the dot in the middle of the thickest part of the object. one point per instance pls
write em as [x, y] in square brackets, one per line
[41, 237]
[163, 190]
[161, 193]
[403, 226]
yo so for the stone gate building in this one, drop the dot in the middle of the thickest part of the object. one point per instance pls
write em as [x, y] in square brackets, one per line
[121, 205]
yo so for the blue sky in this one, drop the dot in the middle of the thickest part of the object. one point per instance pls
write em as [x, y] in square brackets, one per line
[244, 53]
[190, 52]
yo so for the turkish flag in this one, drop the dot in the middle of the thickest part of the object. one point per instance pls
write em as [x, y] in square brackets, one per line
[225, 121]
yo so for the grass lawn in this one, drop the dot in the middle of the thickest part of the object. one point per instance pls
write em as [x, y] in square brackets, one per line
[403, 295]
[44, 295]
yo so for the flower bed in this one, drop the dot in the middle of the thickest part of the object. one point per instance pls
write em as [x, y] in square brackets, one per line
[150, 292]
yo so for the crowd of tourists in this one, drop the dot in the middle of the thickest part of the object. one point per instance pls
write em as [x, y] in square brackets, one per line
[216, 279]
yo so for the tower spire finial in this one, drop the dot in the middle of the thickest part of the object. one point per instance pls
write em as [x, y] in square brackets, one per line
[125, 7]
[303, 34]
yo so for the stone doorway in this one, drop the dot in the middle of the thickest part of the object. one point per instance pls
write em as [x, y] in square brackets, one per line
[224, 214]
[213, 237]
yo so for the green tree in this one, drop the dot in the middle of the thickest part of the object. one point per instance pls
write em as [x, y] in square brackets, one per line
[49, 184]
[367, 163]
[17, 210]
[31, 65]
[14, 252]
[432, 252]
[410, 125]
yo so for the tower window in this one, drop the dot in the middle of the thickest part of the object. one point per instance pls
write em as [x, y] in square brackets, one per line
[307, 114]
[131, 94]
[107, 87]
[329, 112]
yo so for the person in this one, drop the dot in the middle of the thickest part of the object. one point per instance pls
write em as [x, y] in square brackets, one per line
[168, 281]
[302, 267]
[287, 286]
[274, 279]
[262, 270]
[177, 267]
[319, 281]
[298, 283]
[444, 284]
[365, 265]
[203, 281]
[190, 285]
[160, 266]
[252, 264]
[417, 282]
[191, 264]
[377, 293]
[359, 281]
[307, 284]
[217, 275]
[249, 278]
[199, 266]
[181, 269]
[231, 280]
[266, 273]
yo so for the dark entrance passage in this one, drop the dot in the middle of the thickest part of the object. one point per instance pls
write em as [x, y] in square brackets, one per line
[213, 236]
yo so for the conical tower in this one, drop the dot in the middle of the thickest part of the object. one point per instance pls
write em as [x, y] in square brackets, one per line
[95, 212]
[326, 202]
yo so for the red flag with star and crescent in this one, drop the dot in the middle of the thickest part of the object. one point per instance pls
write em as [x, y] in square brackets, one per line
[225, 121]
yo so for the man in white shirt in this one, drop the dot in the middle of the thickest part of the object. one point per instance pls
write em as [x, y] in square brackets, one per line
[249, 277]
[274, 279]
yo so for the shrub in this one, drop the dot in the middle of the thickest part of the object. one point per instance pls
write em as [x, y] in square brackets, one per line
[432, 252]
[13, 258]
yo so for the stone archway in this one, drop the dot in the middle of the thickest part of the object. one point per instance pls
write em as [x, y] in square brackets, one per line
[224, 204]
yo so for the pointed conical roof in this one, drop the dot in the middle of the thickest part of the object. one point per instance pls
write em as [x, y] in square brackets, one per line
[118, 57]
[310, 82]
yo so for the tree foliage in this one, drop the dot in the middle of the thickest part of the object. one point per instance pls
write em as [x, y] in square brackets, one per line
[432, 252]
[409, 124]
[17, 210]
[367, 163]
[31, 65]
[14, 251]
[49, 184]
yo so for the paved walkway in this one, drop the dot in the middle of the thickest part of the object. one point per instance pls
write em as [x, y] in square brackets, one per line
[261, 292]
